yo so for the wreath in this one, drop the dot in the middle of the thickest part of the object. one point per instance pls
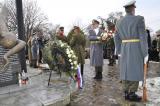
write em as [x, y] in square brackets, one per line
[59, 56]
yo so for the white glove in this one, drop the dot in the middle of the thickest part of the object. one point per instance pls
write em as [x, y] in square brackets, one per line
[146, 59]
[98, 37]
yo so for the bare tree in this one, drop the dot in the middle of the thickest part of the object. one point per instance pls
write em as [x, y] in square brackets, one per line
[78, 22]
[52, 30]
[33, 17]
[11, 19]
[112, 19]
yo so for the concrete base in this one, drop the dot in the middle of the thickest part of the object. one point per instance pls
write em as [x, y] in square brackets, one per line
[36, 92]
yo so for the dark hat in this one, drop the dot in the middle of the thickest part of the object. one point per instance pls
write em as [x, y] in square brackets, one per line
[96, 21]
[76, 27]
[130, 3]
[61, 28]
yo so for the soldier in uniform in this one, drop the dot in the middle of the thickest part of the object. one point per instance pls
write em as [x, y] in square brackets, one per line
[96, 49]
[110, 48]
[132, 48]
[77, 42]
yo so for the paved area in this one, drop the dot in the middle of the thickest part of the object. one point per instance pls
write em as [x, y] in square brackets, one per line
[36, 92]
[108, 92]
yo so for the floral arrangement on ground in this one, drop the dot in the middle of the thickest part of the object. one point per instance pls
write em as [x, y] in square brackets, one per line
[59, 54]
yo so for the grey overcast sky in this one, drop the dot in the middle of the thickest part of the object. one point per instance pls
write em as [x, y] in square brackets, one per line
[69, 12]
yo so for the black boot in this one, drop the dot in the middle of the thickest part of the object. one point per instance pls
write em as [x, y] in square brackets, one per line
[125, 95]
[34, 63]
[98, 73]
[96, 76]
[134, 97]
[110, 64]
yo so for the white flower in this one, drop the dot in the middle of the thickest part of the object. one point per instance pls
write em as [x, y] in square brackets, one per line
[72, 67]
[69, 55]
[70, 60]
[67, 51]
[75, 62]
[105, 36]
[71, 51]
[62, 45]
[60, 42]
[74, 56]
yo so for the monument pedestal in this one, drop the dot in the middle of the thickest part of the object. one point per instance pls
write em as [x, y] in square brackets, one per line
[11, 75]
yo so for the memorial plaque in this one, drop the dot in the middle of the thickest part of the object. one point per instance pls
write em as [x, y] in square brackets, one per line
[10, 76]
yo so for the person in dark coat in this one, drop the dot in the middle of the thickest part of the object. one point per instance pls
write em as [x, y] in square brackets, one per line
[96, 49]
[41, 45]
[158, 44]
[154, 52]
[149, 42]
[35, 51]
[149, 38]
[132, 48]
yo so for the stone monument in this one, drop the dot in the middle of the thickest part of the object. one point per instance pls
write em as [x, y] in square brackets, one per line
[9, 46]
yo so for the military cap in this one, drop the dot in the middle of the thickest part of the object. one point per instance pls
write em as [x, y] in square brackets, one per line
[61, 27]
[75, 27]
[96, 21]
[130, 3]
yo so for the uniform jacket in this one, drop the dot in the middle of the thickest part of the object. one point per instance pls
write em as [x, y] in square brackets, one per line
[132, 53]
[77, 43]
[96, 49]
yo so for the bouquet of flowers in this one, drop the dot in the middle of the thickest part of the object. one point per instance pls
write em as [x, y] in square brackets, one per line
[105, 36]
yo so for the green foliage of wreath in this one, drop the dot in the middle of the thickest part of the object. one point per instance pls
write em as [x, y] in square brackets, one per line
[62, 49]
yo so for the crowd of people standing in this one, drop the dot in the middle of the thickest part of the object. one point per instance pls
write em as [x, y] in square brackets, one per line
[130, 41]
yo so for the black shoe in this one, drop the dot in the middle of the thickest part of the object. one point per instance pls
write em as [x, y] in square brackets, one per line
[110, 64]
[95, 77]
[134, 97]
[125, 95]
[35, 67]
[98, 77]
